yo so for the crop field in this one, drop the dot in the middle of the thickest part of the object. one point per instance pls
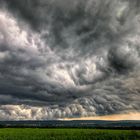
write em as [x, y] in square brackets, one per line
[67, 134]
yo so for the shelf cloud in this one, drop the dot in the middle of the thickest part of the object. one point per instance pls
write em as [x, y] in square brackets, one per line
[69, 58]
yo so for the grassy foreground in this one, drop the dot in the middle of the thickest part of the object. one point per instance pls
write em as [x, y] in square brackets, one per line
[67, 134]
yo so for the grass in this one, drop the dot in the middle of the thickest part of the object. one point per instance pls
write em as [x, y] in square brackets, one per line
[67, 134]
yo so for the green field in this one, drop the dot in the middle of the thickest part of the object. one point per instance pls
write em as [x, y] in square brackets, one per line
[67, 134]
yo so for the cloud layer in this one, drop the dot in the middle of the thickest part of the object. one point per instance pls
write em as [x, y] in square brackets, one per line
[69, 58]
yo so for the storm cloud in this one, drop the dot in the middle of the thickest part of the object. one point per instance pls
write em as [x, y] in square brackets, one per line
[69, 58]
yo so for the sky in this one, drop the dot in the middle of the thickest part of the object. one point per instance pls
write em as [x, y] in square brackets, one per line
[66, 59]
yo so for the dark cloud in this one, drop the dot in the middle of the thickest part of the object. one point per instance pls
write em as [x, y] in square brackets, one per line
[68, 58]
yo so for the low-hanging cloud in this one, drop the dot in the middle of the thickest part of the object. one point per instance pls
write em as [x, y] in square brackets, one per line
[69, 58]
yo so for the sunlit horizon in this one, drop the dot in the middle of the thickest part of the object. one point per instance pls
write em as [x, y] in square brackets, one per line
[114, 117]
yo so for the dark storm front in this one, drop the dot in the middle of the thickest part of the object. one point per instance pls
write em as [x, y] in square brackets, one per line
[69, 58]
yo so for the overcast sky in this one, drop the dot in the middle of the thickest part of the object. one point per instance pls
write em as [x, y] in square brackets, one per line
[69, 58]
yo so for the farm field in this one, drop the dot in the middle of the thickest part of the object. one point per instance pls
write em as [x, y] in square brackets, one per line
[67, 134]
